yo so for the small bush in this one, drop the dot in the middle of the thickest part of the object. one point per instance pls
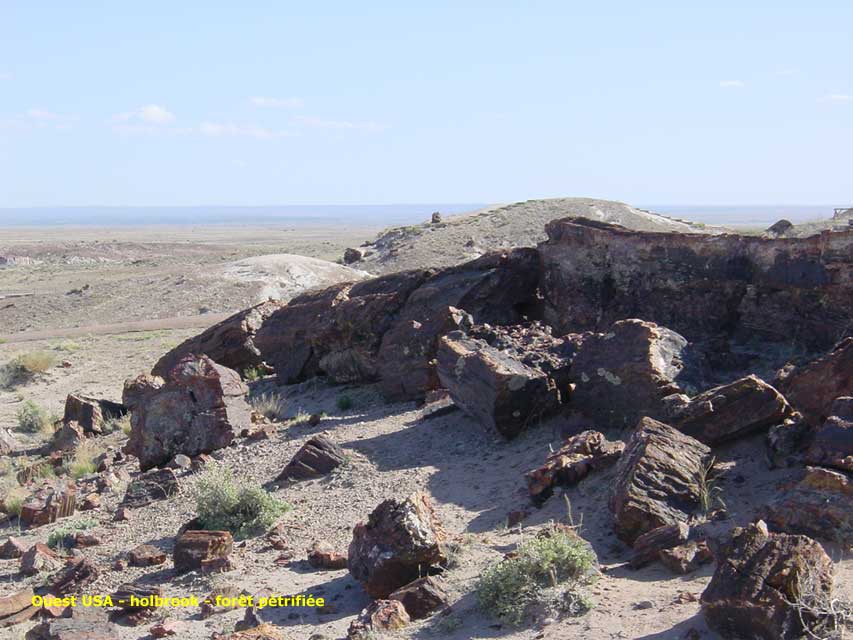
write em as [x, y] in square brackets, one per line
[344, 402]
[556, 557]
[68, 346]
[83, 462]
[36, 362]
[241, 507]
[63, 537]
[13, 500]
[270, 405]
[117, 423]
[33, 418]
[252, 374]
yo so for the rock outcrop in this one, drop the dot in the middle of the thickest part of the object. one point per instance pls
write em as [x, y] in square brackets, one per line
[658, 479]
[200, 408]
[733, 410]
[625, 373]
[757, 579]
[229, 343]
[401, 541]
[813, 387]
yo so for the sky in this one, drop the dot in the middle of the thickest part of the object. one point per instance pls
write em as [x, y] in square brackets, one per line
[262, 103]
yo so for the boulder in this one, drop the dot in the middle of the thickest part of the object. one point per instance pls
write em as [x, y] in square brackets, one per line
[199, 409]
[379, 617]
[12, 548]
[758, 577]
[229, 343]
[658, 479]
[148, 487]
[626, 373]
[495, 389]
[146, 555]
[832, 445]
[779, 228]
[422, 597]
[731, 411]
[78, 573]
[316, 458]
[812, 388]
[48, 504]
[819, 505]
[322, 555]
[39, 559]
[786, 442]
[352, 255]
[138, 388]
[400, 542]
[196, 550]
[572, 462]
[91, 413]
[67, 438]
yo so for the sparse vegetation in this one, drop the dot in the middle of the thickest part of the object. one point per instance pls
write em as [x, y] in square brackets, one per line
[68, 346]
[555, 559]
[710, 493]
[344, 402]
[270, 405]
[252, 374]
[239, 506]
[63, 537]
[301, 417]
[83, 461]
[33, 418]
[24, 367]
[117, 423]
[821, 615]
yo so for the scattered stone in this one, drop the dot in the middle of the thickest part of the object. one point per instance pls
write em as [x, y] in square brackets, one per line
[146, 555]
[648, 546]
[422, 597]
[15, 603]
[12, 548]
[732, 411]
[91, 502]
[400, 541]
[122, 514]
[435, 218]
[57, 500]
[582, 453]
[228, 593]
[657, 479]
[78, 573]
[779, 228]
[379, 616]
[180, 462]
[626, 373]
[643, 605]
[516, 517]
[314, 419]
[7, 442]
[813, 387]
[820, 505]
[317, 457]
[85, 623]
[322, 555]
[277, 537]
[153, 485]
[199, 409]
[131, 596]
[83, 539]
[758, 576]
[261, 632]
[119, 565]
[196, 550]
[832, 445]
[493, 387]
[167, 628]
[39, 559]
[686, 558]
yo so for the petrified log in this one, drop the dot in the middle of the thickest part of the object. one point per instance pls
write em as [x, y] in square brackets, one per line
[48, 504]
[494, 388]
[422, 597]
[400, 541]
[648, 546]
[587, 451]
[78, 573]
[194, 549]
[153, 485]
[758, 578]
[322, 555]
[146, 555]
[832, 445]
[39, 558]
[813, 387]
[732, 410]
[379, 616]
[626, 373]
[658, 479]
[317, 457]
[91, 413]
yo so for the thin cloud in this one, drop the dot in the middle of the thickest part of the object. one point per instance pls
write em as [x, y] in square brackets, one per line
[787, 71]
[218, 130]
[151, 114]
[732, 84]
[276, 103]
[837, 97]
[5, 75]
[43, 118]
[321, 123]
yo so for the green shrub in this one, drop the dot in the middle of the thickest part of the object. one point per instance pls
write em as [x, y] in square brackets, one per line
[557, 557]
[33, 418]
[83, 462]
[270, 405]
[252, 374]
[241, 507]
[344, 402]
[63, 537]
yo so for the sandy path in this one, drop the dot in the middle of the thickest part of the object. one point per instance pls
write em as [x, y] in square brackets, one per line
[182, 322]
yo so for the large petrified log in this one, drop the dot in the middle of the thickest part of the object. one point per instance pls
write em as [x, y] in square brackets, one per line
[813, 387]
[732, 410]
[626, 373]
[658, 479]
[493, 387]
[401, 541]
[229, 343]
[720, 287]
[758, 579]
[387, 328]
[200, 408]
[90, 413]
[819, 505]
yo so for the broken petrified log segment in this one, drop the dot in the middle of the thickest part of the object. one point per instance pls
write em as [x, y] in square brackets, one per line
[199, 409]
[146, 555]
[625, 374]
[67, 438]
[422, 597]
[317, 457]
[12, 548]
[91, 413]
[580, 454]
[39, 559]
[78, 573]
[812, 388]
[820, 505]
[322, 555]
[84, 623]
[229, 343]
[648, 546]
[15, 603]
[401, 540]
[494, 388]
[786, 442]
[195, 549]
[658, 479]
[48, 504]
[832, 445]
[379, 617]
[153, 485]
[732, 410]
[757, 579]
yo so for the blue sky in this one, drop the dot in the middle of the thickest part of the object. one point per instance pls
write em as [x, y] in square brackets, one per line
[188, 103]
